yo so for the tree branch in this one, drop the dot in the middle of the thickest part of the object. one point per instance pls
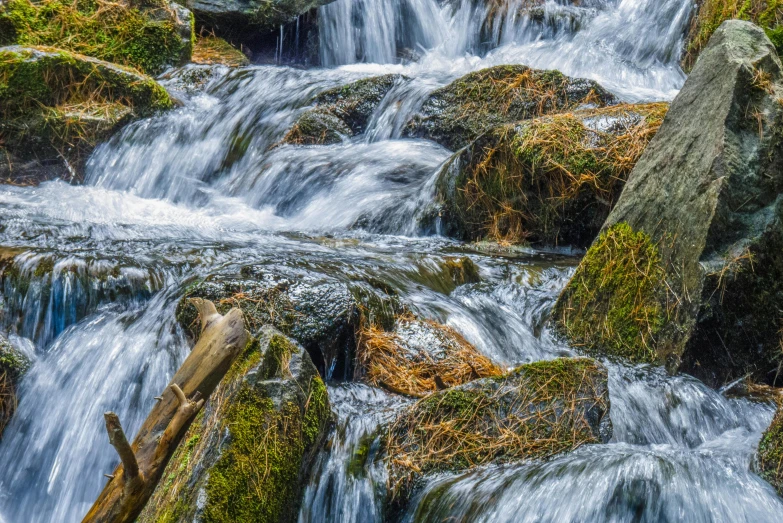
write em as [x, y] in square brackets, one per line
[120, 443]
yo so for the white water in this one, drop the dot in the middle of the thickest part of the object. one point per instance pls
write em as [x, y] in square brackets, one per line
[202, 189]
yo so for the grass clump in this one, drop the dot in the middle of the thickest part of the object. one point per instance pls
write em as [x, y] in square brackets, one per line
[616, 303]
[458, 113]
[549, 180]
[534, 412]
[767, 14]
[145, 34]
[419, 357]
[213, 50]
[770, 452]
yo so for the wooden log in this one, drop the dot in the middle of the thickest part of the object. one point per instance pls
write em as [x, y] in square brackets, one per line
[142, 463]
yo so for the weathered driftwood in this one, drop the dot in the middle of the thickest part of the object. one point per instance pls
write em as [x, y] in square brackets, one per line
[133, 481]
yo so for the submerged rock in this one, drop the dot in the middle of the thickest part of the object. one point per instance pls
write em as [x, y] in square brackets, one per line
[318, 311]
[149, 35]
[56, 106]
[247, 455]
[213, 50]
[13, 365]
[419, 357]
[770, 454]
[456, 114]
[551, 180]
[534, 412]
[341, 112]
[688, 271]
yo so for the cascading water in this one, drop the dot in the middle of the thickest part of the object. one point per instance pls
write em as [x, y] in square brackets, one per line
[206, 187]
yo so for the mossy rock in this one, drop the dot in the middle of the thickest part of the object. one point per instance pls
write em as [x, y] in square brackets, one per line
[689, 269]
[460, 112]
[767, 14]
[13, 365]
[770, 453]
[551, 180]
[213, 50]
[247, 455]
[341, 112]
[534, 412]
[56, 106]
[318, 311]
[419, 357]
[149, 35]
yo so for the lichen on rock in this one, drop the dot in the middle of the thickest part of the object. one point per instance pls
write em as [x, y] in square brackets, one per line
[247, 455]
[460, 112]
[146, 34]
[341, 112]
[551, 180]
[534, 412]
[55, 106]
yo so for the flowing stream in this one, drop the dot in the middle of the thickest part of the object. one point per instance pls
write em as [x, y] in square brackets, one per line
[203, 188]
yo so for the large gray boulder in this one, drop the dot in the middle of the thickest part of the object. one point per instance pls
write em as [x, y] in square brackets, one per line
[688, 271]
[247, 454]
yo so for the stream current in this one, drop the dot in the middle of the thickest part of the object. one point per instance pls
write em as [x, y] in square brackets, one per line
[199, 189]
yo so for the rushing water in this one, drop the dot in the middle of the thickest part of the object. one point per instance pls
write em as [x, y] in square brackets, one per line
[205, 188]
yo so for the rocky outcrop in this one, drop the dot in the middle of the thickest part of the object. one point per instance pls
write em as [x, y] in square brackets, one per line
[55, 106]
[317, 311]
[13, 365]
[688, 271]
[457, 114]
[770, 453]
[711, 14]
[551, 180]
[149, 35]
[341, 112]
[419, 357]
[247, 455]
[534, 412]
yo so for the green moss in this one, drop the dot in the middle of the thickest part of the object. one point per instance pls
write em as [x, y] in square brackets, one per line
[44, 268]
[767, 14]
[119, 32]
[770, 453]
[616, 302]
[360, 455]
[277, 356]
[316, 411]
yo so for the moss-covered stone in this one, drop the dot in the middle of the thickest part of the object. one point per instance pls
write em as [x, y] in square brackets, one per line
[247, 456]
[213, 50]
[459, 113]
[146, 34]
[770, 453]
[55, 106]
[13, 365]
[341, 112]
[318, 311]
[534, 412]
[551, 180]
[688, 271]
[767, 14]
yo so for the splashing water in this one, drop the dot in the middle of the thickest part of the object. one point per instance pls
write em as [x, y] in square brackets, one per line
[206, 187]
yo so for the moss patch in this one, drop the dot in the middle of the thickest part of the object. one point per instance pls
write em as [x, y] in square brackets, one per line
[770, 454]
[616, 302]
[767, 14]
[213, 50]
[13, 365]
[536, 411]
[458, 113]
[550, 180]
[145, 34]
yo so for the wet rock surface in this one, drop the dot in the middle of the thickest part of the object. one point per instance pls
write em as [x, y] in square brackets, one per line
[551, 180]
[688, 270]
[455, 115]
[247, 455]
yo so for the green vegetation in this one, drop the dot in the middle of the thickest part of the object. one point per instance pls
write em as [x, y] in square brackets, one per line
[767, 14]
[770, 454]
[549, 180]
[145, 34]
[13, 365]
[534, 412]
[616, 302]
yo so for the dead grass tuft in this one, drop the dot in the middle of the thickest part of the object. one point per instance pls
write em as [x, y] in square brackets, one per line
[7, 400]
